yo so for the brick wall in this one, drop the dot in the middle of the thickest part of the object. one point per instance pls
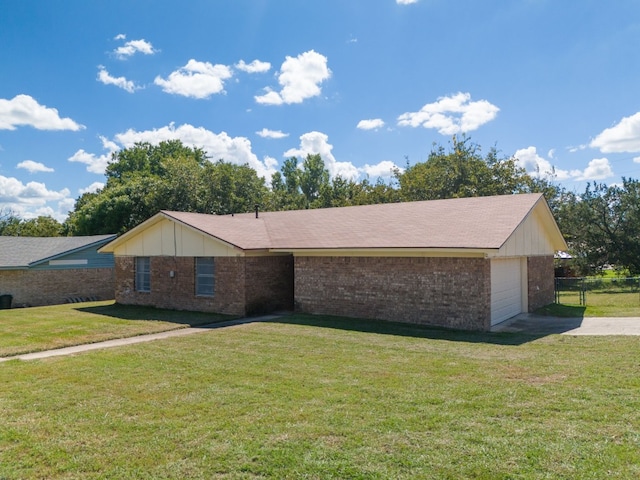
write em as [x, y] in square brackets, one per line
[243, 285]
[31, 288]
[269, 284]
[540, 273]
[449, 292]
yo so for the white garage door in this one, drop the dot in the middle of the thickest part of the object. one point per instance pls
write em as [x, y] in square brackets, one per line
[506, 289]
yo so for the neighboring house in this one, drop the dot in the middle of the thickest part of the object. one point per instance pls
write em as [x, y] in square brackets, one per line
[53, 270]
[464, 263]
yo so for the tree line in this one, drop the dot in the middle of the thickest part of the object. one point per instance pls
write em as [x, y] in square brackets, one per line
[601, 225]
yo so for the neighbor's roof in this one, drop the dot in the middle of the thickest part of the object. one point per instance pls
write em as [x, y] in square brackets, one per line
[463, 223]
[22, 252]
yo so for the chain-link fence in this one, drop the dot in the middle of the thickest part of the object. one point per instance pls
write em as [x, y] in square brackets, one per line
[597, 291]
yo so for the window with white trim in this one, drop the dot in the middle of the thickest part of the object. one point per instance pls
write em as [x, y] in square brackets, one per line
[205, 276]
[143, 274]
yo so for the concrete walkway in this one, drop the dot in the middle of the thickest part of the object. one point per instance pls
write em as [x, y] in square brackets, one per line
[538, 325]
[119, 342]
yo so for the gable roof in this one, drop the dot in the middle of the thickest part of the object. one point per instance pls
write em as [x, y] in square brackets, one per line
[461, 223]
[24, 252]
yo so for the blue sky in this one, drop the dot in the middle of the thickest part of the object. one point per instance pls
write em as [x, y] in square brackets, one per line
[368, 84]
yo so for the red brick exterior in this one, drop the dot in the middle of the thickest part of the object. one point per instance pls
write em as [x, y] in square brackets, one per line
[448, 292]
[243, 285]
[540, 278]
[31, 288]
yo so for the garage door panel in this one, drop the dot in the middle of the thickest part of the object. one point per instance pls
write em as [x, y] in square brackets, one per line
[506, 289]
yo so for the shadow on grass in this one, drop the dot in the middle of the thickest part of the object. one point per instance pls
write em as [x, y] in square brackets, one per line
[408, 330]
[136, 312]
[561, 310]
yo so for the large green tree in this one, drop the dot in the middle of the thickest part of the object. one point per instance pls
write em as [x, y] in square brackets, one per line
[462, 172]
[602, 226]
[146, 178]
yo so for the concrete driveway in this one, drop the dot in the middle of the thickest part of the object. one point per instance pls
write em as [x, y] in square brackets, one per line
[538, 325]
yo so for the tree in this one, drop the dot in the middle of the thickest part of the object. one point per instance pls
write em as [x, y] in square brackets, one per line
[461, 172]
[602, 226]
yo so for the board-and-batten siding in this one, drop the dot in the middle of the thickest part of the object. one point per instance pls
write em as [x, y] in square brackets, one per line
[167, 238]
[529, 239]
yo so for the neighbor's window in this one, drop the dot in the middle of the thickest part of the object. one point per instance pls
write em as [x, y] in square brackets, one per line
[143, 274]
[205, 274]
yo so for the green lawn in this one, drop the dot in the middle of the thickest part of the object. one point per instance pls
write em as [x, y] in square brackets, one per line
[24, 330]
[600, 303]
[320, 398]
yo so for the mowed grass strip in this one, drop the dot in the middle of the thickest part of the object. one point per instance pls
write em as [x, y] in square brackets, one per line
[600, 303]
[322, 398]
[25, 330]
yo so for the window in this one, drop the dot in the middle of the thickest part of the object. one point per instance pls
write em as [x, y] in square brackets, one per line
[143, 274]
[205, 276]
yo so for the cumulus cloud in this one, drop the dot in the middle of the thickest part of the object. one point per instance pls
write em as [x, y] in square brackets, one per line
[384, 169]
[96, 163]
[120, 82]
[266, 133]
[406, 2]
[371, 124]
[217, 145]
[636, 159]
[23, 110]
[537, 166]
[624, 137]
[300, 78]
[21, 197]
[34, 167]
[451, 115]
[132, 47]
[318, 143]
[196, 80]
[93, 188]
[598, 169]
[254, 67]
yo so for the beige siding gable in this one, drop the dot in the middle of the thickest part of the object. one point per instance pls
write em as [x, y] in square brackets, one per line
[530, 238]
[167, 238]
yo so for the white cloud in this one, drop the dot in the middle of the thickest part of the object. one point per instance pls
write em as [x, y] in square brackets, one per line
[536, 166]
[19, 196]
[300, 78]
[621, 138]
[254, 67]
[23, 110]
[598, 169]
[370, 124]
[451, 115]
[317, 143]
[218, 146]
[96, 163]
[636, 159]
[120, 82]
[196, 80]
[33, 167]
[406, 2]
[385, 169]
[93, 188]
[132, 47]
[120, 36]
[266, 133]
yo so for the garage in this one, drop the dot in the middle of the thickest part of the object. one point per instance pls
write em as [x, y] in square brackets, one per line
[506, 288]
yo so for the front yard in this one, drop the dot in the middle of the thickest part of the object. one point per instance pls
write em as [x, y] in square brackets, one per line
[322, 397]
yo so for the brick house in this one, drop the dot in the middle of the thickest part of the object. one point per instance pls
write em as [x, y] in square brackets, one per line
[464, 263]
[52, 270]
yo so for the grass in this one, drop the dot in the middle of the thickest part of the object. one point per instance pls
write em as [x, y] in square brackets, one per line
[600, 303]
[28, 330]
[321, 398]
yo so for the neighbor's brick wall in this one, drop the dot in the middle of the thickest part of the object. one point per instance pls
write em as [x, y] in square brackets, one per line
[540, 273]
[31, 288]
[243, 285]
[269, 283]
[448, 292]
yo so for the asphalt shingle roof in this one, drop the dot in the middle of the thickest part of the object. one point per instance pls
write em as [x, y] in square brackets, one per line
[475, 223]
[20, 252]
